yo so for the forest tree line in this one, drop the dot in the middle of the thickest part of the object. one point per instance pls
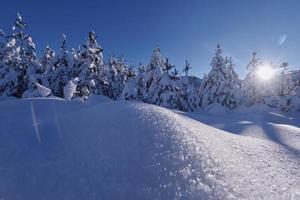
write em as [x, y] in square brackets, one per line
[79, 73]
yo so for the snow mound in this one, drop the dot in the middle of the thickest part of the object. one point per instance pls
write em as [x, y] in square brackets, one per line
[53, 149]
[43, 91]
[95, 99]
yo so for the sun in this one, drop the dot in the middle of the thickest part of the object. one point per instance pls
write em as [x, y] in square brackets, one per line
[265, 72]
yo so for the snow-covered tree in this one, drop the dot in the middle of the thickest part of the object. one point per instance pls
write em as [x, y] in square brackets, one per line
[162, 88]
[130, 91]
[140, 82]
[9, 58]
[24, 74]
[154, 71]
[167, 93]
[255, 88]
[249, 84]
[168, 65]
[20, 68]
[186, 68]
[284, 83]
[220, 85]
[86, 65]
[60, 74]
[119, 74]
[134, 88]
[47, 61]
[285, 90]
[156, 85]
[188, 94]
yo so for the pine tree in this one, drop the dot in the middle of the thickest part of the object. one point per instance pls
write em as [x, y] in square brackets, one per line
[256, 90]
[47, 61]
[20, 68]
[186, 68]
[250, 85]
[140, 83]
[60, 75]
[168, 66]
[167, 93]
[119, 80]
[154, 71]
[8, 56]
[86, 65]
[162, 88]
[188, 94]
[134, 88]
[284, 87]
[117, 76]
[175, 73]
[220, 85]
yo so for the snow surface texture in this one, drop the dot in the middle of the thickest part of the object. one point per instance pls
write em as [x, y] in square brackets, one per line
[57, 149]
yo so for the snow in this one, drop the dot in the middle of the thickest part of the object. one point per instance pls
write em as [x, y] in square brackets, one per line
[57, 149]
[258, 121]
[94, 99]
[70, 89]
[43, 91]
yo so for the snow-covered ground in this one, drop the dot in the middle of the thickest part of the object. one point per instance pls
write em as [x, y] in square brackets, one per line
[101, 149]
[259, 121]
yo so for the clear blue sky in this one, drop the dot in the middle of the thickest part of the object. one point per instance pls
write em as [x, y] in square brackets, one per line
[184, 29]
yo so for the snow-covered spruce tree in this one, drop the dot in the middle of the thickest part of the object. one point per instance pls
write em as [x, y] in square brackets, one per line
[167, 93]
[290, 102]
[186, 68]
[162, 88]
[169, 65]
[250, 87]
[285, 87]
[153, 72]
[140, 83]
[188, 92]
[134, 88]
[130, 90]
[60, 74]
[47, 61]
[86, 65]
[177, 92]
[20, 68]
[8, 57]
[156, 85]
[119, 73]
[254, 88]
[220, 85]
[284, 83]
[295, 99]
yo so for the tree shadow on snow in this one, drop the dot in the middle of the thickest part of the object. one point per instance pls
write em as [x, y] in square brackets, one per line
[239, 123]
[275, 136]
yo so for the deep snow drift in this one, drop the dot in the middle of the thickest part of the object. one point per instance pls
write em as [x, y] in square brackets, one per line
[56, 149]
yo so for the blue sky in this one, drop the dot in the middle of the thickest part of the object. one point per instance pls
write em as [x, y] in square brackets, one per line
[184, 29]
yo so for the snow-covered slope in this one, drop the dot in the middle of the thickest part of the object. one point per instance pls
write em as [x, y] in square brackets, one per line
[56, 149]
[258, 121]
